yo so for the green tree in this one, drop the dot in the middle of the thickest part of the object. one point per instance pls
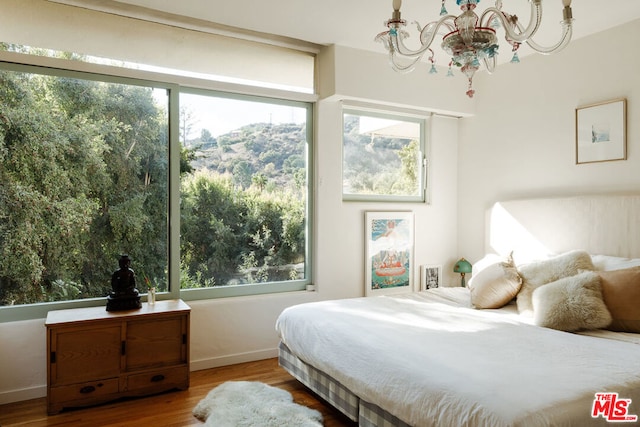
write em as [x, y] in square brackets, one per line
[259, 180]
[242, 174]
[82, 163]
[187, 121]
[409, 171]
[210, 224]
[238, 236]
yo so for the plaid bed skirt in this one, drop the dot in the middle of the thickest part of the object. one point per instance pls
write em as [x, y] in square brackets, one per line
[337, 395]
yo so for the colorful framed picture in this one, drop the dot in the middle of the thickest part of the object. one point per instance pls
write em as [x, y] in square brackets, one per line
[389, 252]
[601, 132]
[430, 277]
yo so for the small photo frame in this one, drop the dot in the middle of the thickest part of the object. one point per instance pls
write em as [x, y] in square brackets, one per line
[430, 277]
[389, 253]
[601, 132]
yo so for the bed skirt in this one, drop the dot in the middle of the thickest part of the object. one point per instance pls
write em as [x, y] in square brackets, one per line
[365, 413]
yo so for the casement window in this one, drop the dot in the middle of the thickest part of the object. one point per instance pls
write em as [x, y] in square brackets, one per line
[383, 155]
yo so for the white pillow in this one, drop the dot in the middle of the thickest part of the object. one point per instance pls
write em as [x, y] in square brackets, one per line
[539, 273]
[610, 263]
[495, 282]
[571, 304]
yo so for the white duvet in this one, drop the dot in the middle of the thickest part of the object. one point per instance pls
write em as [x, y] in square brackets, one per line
[432, 362]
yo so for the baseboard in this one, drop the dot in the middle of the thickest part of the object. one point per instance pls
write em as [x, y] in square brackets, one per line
[23, 394]
[233, 359]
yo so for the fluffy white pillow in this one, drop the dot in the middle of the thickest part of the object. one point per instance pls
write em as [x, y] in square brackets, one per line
[539, 273]
[495, 282]
[571, 304]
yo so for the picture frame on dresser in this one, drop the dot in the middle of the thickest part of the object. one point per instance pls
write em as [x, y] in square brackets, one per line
[389, 248]
[601, 131]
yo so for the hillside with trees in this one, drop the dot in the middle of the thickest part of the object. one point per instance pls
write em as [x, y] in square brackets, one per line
[269, 156]
[259, 234]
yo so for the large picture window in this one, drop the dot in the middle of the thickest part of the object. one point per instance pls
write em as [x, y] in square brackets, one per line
[206, 191]
[383, 156]
[83, 178]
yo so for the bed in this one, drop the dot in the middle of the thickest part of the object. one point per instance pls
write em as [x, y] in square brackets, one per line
[434, 358]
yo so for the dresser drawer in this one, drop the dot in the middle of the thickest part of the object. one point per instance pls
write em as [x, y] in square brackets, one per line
[159, 380]
[84, 391]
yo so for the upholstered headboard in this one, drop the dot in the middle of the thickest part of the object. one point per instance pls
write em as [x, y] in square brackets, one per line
[534, 228]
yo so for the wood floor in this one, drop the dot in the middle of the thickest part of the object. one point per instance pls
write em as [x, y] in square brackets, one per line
[171, 409]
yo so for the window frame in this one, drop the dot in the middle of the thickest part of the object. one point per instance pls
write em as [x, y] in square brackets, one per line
[174, 84]
[227, 291]
[423, 145]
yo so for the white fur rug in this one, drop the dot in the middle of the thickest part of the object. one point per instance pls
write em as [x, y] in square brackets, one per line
[252, 403]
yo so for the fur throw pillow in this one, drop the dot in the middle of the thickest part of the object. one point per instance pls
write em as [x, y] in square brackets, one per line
[571, 304]
[536, 274]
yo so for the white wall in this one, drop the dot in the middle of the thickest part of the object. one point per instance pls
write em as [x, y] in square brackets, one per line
[521, 143]
[234, 330]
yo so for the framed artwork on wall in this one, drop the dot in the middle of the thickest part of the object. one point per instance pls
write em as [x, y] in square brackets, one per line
[601, 132]
[388, 252]
[430, 277]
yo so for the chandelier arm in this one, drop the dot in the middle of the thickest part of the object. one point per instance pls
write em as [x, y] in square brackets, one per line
[567, 32]
[383, 38]
[521, 37]
[398, 47]
[402, 68]
[490, 64]
[427, 35]
[444, 21]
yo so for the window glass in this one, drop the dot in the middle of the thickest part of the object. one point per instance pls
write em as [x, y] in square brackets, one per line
[207, 192]
[83, 179]
[383, 156]
[244, 193]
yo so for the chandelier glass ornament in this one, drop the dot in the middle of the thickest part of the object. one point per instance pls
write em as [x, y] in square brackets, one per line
[469, 39]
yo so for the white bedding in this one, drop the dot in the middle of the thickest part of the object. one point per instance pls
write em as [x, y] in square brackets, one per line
[431, 360]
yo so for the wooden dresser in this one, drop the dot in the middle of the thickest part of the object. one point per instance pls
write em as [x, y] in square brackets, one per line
[95, 356]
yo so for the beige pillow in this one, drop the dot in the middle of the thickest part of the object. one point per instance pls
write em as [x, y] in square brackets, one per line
[539, 273]
[571, 304]
[495, 282]
[621, 294]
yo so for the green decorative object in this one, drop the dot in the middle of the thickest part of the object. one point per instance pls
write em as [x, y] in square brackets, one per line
[463, 267]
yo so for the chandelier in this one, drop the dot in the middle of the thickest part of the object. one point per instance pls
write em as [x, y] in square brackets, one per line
[469, 38]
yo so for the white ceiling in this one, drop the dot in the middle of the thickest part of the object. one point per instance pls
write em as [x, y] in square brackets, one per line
[354, 23]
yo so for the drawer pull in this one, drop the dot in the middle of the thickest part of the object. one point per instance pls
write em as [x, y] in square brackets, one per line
[157, 378]
[87, 389]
